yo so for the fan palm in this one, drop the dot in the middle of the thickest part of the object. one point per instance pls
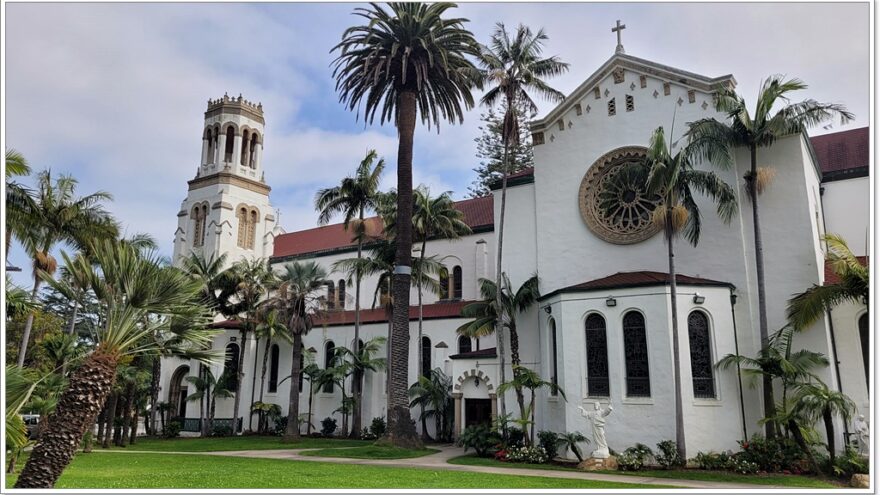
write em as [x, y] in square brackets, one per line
[716, 141]
[852, 285]
[487, 317]
[297, 297]
[20, 385]
[515, 67]
[525, 378]
[408, 61]
[144, 304]
[361, 361]
[815, 400]
[59, 216]
[353, 198]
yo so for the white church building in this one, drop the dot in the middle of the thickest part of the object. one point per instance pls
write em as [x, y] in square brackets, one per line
[601, 329]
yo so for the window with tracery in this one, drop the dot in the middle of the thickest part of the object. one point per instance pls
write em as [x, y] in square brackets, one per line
[329, 362]
[464, 344]
[456, 282]
[701, 356]
[199, 215]
[597, 357]
[554, 376]
[635, 352]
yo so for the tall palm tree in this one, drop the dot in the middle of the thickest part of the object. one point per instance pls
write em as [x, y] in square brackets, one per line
[515, 68]
[144, 303]
[272, 329]
[716, 141]
[487, 317]
[314, 374]
[297, 295]
[529, 379]
[408, 61]
[361, 361]
[208, 389]
[252, 278]
[354, 197]
[671, 176]
[852, 285]
[815, 400]
[19, 199]
[434, 217]
[58, 216]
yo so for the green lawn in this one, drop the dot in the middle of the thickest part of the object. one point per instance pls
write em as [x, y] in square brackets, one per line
[215, 444]
[119, 470]
[473, 460]
[800, 481]
[371, 452]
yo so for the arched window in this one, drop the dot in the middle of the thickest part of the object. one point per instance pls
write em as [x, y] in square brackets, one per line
[635, 353]
[340, 294]
[242, 216]
[203, 218]
[273, 368]
[426, 356]
[302, 365]
[597, 357]
[329, 362]
[331, 295]
[383, 291]
[198, 226]
[230, 367]
[252, 151]
[209, 155]
[252, 229]
[230, 142]
[444, 283]
[554, 370]
[244, 149]
[456, 282]
[865, 338]
[464, 344]
[701, 355]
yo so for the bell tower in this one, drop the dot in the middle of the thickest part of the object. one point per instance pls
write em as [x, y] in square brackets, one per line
[227, 207]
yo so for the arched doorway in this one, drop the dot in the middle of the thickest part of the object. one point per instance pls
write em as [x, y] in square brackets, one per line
[178, 392]
[475, 400]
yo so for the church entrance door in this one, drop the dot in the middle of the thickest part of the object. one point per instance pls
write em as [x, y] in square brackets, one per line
[477, 412]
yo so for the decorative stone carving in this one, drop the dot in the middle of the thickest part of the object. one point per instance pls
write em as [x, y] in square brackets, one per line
[616, 209]
[577, 109]
[705, 105]
[618, 75]
[537, 138]
[607, 92]
[632, 86]
[597, 93]
[863, 434]
[692, 96]
[656, 94]
[643, 81]
[597, 422]
[680, 101]
[666, 89]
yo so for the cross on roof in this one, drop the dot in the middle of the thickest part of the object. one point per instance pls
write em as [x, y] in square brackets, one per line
[620, 27]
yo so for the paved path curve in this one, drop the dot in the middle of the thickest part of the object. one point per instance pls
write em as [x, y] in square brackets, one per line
[439, 461]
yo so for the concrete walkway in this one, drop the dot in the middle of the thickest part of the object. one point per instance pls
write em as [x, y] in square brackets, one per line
[439, 461]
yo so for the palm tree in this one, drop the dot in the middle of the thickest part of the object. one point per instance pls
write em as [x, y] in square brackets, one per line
[526, 378]
[20, 385]
[252, 278]
[433, 394]
[353, 198]
[410, 62]
[314, 374]
[360, 362]
[434, 218]
[297, 297]
[208, 390]
[671, 176]
[570, 441]
[514, 68]
[18, 301]
[59, 216]
[19, 199]
[144, 304]
[715, 141]
[852, 285]
[271, 329]
[487, 317]
[815, 400]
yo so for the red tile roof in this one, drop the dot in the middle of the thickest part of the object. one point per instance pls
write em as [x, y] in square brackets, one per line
[636, 279]
[446, 309]
[832, 278]
[843, 150]
[477, 214]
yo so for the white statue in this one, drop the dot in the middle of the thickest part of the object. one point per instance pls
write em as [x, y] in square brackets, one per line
[597, 420]
[863, 434]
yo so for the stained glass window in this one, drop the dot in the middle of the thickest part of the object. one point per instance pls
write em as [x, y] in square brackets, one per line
[464, 344]
[554, 371]
[597, 357]
[635, 352]
[864, 336]
[701, 355]
[426, 356]
[273, 368]
[329, 362]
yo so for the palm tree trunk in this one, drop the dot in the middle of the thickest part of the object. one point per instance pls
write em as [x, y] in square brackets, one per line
[108, 421]
[828, 419]
[239, 376]
[514, 361]
[676, 353]
[212, 410]
[401, 432]
[292, 432]
[769, 404]
[135, 417]
[156, 372]
[126, 416]
[499, 325]
[532, 413]
[419, 371]
[311, 398]
[254, 387]
[802, 443]
[28, 325]
[265, 361]
[71, 327]
[75, 412]
[357, 419]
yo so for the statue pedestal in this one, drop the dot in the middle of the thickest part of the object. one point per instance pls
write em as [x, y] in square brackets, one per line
[597, 464]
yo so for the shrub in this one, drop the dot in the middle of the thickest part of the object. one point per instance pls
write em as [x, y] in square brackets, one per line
[533, 455]
[221, 431]
[777, 455]
[279, 426]
[711, 460]
[172, 429]
[846, 464]
[480, 438]
[548, 441]
[378, 427]
[328, 426]
[743, 466]
[366, 435]
[634, 458]
[515, 438]
[667, 455]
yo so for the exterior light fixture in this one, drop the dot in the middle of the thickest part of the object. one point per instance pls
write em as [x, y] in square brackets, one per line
[610, 302]
[698, 299]
[476, 381]
[548, 309]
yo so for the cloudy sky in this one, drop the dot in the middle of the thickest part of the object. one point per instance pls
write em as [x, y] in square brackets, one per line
[115, 93]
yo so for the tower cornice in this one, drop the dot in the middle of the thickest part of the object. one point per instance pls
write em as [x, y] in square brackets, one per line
[227, 178]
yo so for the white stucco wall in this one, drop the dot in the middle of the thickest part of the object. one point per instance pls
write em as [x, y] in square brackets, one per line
[848, 211]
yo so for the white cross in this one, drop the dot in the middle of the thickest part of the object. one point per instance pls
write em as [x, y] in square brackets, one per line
[620, 27]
